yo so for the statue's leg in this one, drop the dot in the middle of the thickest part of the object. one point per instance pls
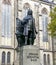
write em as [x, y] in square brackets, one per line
[22, 40]
[30, 41]
[31, 38]
[26, 38]
[19, 41]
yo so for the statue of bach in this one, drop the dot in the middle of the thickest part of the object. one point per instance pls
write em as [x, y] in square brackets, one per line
[26, 30]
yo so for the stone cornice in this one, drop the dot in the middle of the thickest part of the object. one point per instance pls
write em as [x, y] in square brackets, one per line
[45, 2]
[45, 50]
[6, 47]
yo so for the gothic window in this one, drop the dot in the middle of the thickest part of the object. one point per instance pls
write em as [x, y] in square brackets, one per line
[6, 2]
[8, 57]
[25, 9]
[44, 59]
[48, 59]
[6, 18]
[3, 57]
[44, 25]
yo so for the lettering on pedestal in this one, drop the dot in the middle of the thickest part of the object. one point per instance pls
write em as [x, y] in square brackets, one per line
[33, 56]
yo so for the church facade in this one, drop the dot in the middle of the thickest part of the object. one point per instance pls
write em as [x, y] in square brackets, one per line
[12, 9]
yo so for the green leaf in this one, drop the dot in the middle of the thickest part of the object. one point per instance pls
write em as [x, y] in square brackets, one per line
[52, 24]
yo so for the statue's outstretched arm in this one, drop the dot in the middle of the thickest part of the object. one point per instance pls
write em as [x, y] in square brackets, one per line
[24, 21]
[18, 20]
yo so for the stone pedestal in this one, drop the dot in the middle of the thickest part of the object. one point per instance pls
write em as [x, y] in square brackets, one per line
[29, 55]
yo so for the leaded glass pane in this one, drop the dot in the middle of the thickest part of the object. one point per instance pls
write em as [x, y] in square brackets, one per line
[44, 59]
[8, 57]
[6, 19]
[3, 58]
[45, 32]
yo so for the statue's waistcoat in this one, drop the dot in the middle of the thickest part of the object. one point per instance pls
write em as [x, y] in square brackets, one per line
[28, 26]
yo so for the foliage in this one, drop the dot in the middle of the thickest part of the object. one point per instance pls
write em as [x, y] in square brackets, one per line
[52, 24]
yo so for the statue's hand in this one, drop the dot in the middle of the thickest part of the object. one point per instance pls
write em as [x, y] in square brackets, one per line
[36, 31]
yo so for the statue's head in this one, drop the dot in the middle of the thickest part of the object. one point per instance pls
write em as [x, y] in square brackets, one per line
[29, 12]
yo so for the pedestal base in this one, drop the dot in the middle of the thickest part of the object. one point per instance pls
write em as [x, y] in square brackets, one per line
[29, 55]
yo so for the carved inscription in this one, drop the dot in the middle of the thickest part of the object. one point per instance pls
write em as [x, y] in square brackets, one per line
[32, 56]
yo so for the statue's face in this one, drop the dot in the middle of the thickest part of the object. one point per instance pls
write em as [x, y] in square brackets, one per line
[29, 12]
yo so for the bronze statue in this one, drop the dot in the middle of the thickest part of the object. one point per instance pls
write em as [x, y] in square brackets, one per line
[19, 32]
[25, 30]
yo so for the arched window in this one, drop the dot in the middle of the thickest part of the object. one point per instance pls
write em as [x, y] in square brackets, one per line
[44, 59]
[25, 9]
[44, 24]
[8, 57]
[6, 18]
[48, 59]
[6, 2]
[3, 57]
